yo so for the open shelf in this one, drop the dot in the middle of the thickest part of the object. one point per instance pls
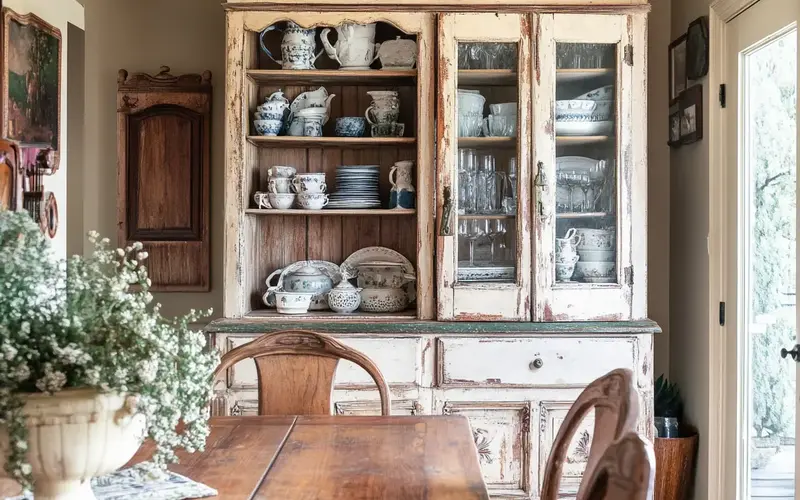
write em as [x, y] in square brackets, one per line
[583, 215]
[577, 75]
[487, 142]
[272, 314]
[333, 76]
[487, 77]
[569, 140]
[286, 141]
[487, 216]
[333, 211]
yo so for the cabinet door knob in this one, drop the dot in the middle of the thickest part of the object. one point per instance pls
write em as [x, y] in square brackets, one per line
[536, 364]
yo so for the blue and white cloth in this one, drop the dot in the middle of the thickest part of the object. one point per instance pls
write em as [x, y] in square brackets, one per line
[138, 482]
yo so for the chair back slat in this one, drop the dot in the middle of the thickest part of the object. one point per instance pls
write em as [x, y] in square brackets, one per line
[296, 371]
[626, 471]
[614, 399]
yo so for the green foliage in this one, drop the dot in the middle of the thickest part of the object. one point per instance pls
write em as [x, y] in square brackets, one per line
[668, 400]
[772, 143]
[90, 323]
[773, 411]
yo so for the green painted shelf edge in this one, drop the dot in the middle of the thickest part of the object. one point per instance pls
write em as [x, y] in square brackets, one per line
[261, 326]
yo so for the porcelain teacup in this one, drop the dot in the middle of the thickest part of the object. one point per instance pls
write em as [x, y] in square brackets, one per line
[268, 127]
[281, 171]
[280, 185]
[309, 183]
[312, 201]
[564, 272]
[388, 130]
[282, 201]
[350, 126]
[262, 199]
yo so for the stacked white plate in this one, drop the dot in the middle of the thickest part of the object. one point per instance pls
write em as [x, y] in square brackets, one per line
[356, 187]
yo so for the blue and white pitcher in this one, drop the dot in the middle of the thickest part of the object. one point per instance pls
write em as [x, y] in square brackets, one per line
[403, 194]
[297, 47]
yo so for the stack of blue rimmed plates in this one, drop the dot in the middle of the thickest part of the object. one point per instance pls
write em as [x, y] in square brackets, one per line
[356, 187]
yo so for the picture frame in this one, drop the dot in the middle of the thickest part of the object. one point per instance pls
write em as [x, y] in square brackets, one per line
[677, 68]
[31, 82]
[674, 140]
[691, 110]
[697, 49]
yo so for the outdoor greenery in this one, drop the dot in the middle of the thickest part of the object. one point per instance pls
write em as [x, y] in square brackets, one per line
[90, 322]
[771, 112]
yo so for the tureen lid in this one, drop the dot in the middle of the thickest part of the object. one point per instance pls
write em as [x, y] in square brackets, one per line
[308, 270]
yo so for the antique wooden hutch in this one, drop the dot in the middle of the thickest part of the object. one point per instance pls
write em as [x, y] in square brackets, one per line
[510, 351]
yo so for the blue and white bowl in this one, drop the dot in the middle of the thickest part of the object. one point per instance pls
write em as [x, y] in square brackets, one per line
[264, 115]
[350, 126]
[268, 127]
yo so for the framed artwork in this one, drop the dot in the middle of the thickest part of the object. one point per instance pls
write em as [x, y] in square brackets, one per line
[677, 69]
[697, 49]
[675, 128]
[691, 110]
[31, 82]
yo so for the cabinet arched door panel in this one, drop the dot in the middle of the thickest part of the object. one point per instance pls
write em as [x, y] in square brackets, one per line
[163, 176]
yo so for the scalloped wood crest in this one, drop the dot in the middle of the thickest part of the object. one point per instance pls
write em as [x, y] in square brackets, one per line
[163, 80]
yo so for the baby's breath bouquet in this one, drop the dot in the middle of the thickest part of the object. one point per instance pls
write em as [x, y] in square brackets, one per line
[89, 322]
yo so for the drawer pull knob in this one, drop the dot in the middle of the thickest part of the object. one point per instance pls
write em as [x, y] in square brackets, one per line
[536, 364]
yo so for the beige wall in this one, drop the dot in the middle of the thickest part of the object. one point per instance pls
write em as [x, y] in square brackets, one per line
[689, 308]
[141, 35]
[658, 195]
[59, 13]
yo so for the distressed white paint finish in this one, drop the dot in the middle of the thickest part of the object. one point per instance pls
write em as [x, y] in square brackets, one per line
[467, 301]
[548, 417]
[378, 4]
[502, 434]
[512, 361]
[399, 359]
[571, 302]
[570, 363]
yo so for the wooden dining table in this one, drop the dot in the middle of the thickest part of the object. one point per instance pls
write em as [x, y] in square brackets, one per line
[341, 457]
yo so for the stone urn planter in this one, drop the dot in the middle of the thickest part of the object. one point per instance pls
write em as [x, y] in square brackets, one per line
[75, 435]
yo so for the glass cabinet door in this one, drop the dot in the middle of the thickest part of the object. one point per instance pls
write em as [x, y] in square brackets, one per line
[584, 161]
[484, 249]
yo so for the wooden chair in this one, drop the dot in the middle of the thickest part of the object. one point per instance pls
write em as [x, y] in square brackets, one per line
[296, 370]
[616, 404]
[626, 471]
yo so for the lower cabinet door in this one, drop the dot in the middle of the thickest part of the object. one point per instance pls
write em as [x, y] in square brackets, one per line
[548, 417]
[502, 434]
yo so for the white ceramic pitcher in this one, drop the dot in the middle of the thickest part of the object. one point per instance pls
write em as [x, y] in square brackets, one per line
[297, 47]
[355, 46]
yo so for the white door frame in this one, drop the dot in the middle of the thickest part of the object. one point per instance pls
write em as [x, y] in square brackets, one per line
[723, 413]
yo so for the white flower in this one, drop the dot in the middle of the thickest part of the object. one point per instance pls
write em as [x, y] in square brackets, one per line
[9, 352]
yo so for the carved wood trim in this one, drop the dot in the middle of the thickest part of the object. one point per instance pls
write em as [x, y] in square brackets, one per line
[616, 404]
[163, 81]
[304, 343]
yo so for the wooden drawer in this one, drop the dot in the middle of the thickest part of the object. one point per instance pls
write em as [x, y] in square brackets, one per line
[531, 362]
[399, 359]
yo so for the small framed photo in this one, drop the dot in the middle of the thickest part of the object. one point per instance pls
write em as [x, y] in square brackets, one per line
[675, 128]
[677, 68]
[691, 109]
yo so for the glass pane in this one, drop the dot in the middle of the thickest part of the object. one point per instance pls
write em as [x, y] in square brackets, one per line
[487, 162]
[586, 169]
[769, 144]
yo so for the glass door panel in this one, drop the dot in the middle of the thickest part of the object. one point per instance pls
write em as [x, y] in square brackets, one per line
[585, 121]
[586, 152]
[487, 108]
[483, 169]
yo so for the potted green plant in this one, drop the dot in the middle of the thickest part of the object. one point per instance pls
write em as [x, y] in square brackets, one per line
[675, 444]
[88, 365]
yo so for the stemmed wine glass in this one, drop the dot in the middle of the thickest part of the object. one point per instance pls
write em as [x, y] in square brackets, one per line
[500, 234]
[585, 183]
[492, 233]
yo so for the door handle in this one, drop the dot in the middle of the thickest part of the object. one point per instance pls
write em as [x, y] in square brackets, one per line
[795, 353]
[446, 225]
